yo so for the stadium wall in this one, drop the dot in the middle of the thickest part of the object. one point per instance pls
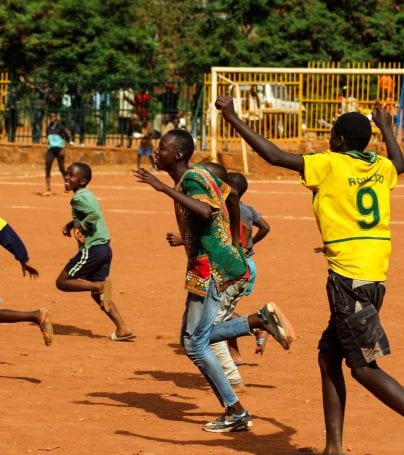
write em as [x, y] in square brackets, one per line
[232, 159]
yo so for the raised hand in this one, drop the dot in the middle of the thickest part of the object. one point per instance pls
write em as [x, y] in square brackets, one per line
[144, 176]
[225, 104]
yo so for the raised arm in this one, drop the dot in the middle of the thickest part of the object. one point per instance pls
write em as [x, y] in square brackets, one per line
[382, 118]
[198, 208]
[266, 149]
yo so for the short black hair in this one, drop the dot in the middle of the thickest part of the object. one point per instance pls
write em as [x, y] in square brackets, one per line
[85, 170]
[217, 169]
[185, 142]
[238, 182]
[355, 128]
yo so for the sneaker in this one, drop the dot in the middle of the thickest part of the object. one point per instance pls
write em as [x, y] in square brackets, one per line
[46, 193]
[275, 324]
[229, 423]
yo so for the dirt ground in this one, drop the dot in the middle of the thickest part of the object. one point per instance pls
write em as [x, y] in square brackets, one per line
[88, 395]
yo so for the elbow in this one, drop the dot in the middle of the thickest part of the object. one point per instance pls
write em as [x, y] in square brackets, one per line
[206, 214]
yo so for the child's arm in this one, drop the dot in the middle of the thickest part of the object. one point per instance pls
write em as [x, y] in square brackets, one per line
[263, 230]
[266, 149]
[10, 240]
[233, 206]
[201, 209]
[382, 118]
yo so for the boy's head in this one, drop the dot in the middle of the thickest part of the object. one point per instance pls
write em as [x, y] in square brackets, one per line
[238, 182]
[351, 131]
[174, 147]
[78, 175]
[52, 116]
[217, 169]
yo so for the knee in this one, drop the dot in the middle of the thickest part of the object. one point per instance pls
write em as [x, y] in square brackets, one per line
[60, 283]
[193, 348]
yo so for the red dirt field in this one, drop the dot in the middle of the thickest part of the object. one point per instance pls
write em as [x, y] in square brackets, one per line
[86, 394]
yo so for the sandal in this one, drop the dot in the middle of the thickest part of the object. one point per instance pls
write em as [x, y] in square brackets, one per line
[46, 326]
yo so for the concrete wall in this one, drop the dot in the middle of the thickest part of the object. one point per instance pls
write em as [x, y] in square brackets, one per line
[35, 153]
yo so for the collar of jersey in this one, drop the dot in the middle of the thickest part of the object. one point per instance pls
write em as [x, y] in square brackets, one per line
[369, 157]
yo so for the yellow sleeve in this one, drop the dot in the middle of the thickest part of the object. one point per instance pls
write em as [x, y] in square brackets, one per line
[2, 223]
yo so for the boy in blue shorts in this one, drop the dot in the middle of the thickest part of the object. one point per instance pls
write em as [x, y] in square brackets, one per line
[210, 231]
[351, 201]
[10, 240]
[146, 144]
[88, 271]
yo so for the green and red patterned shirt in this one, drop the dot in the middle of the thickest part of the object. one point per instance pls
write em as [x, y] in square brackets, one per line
[208, 243]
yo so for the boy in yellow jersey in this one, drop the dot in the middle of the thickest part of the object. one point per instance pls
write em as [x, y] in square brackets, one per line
[351, 202]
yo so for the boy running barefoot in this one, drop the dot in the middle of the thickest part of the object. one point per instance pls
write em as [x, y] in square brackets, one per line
[351, 201]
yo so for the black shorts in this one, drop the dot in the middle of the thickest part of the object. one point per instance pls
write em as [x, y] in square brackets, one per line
[92, 264]
[354, 329]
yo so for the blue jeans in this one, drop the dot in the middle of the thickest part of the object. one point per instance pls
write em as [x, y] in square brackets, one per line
[199, 331]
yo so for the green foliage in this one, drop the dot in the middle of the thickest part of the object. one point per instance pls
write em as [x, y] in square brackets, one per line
[138, 40]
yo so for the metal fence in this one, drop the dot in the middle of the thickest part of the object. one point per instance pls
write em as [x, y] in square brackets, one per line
[109, 114]
[285, 103]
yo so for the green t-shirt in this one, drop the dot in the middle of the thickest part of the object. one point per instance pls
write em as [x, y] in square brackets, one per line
[87, 213]
[208, 243]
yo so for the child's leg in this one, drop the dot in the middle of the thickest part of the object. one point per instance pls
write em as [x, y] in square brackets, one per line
[122, 330]
[334, 398]
[152, 161]
[381, 385]
[222, 353]
[48, 167]
[40, 317]
[61, 162]
[139, 160]
[12, 316]
[66, 283]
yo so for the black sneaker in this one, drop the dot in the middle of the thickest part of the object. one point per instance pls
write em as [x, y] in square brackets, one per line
[273, 324]
[228, 423]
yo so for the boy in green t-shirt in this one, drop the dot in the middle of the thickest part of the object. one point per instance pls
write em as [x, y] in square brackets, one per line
[89, 269]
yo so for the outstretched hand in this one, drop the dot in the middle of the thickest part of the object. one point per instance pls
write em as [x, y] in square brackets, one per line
[144, 176]
[225, 104]
[32, 271]
[174, 239]
[381, 117]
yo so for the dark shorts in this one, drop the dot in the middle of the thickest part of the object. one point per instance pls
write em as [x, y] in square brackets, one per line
[92, 264]
[144, 151]
[354, 329]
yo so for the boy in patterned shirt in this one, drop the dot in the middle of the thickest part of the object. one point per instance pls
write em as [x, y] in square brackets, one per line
[351, 201]
[210, 231]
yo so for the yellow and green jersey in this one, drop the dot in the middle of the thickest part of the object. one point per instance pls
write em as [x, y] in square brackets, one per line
[351, 202]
